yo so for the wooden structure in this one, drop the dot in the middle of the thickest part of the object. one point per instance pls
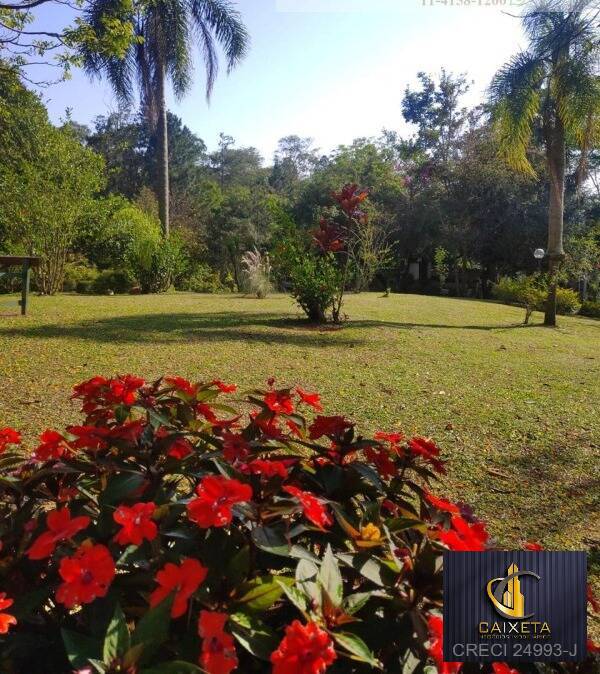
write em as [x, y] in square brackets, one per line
[27, 263]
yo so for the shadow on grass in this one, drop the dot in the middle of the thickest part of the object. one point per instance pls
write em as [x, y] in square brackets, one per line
[222, 326]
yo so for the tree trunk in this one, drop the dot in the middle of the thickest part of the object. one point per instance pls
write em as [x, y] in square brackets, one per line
[163, 157]
[555, 153]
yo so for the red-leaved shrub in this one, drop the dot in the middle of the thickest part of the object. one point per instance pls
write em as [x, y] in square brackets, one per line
[176, 532]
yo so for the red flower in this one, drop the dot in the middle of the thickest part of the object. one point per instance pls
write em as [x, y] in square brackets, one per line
[90, 391]
[136, 522]
[53, 446]
[6, 619]
[123, 389]
[224, 388]
[8, 436]
[441, 503]
[89, 437]
[216, 496]
[592, 647]
[235, 447]
[392, 438]
[381, 458]
[311, 399]
[503, 668]
[60, 528]
[265, 467]
[530, 545]
[218, 647]
[313, 509]
[269, 427]
[305, 649]
[279, 402]
[436, 646]
[130, 431]
[206, 412]
[182, 385]
[87, 575]
[429, 451]
[184, 580]
[180, 448]
[329, 426]
[464, 536]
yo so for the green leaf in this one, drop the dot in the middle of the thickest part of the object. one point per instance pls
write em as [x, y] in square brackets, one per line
[80, 648]
[174, 667]
[330, 578]
[120, 486]
[296, 596]
[253, 635]
[369, 566]
[153, 629]
[401, 523]
[306, 579]
[354, 602]
[274, 541]
[239, 566]
[356, 647]
[116, 639]
[261, 593]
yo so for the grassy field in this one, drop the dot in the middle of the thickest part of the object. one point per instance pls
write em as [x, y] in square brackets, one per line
[515, 408]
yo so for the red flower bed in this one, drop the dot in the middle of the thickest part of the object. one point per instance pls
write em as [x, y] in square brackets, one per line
[180, 529]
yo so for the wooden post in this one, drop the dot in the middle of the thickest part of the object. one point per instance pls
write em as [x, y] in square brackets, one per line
[25, 280]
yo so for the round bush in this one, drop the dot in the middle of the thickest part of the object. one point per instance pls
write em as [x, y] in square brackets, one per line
[175, 531]
[118, 281]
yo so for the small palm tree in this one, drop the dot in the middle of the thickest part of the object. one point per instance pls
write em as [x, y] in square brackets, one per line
[552, 87]
[165, 32]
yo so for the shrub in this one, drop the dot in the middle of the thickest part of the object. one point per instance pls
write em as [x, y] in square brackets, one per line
[157, 262]
[169, 529]
[567, 301]
[202, 279]
[256, 273]
[79, 276]
[590, 308]
[118, 281]
[530, 292]
[314, 280]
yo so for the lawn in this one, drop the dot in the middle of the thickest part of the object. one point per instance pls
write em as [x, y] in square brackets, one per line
[515, 408]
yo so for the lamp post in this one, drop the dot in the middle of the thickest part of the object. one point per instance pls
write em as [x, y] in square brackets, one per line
[539, 254]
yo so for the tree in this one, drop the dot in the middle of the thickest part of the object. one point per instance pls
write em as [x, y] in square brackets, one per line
[22, 49]
[552, 87]
[435, 110]
[164, 32]
[48, 180]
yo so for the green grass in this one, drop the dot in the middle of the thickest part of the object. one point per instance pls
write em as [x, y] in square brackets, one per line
[514, 408]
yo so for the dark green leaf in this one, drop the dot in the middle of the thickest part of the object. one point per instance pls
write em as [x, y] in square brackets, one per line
[116, 639]
[253, 635]
[330, 578]
[174, 667]
[261, 593]
[80, 648]
[120, 486]
[356, 647]
[153, 629]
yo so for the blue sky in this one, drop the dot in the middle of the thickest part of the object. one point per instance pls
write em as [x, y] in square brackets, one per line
[333, 70]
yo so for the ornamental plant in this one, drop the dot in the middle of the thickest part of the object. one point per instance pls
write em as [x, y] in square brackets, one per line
[183, 527]
[319, 272]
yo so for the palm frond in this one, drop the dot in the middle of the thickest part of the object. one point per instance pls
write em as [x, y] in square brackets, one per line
[516, 93]
[221, 18]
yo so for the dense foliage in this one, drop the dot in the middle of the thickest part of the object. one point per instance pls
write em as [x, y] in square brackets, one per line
[173, 526]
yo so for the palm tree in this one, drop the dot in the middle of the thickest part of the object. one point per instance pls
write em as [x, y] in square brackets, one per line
[164, 32]
[552, 87]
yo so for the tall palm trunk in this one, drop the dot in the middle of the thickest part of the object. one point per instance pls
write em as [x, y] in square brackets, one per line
[555, 153]
[163, 155]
